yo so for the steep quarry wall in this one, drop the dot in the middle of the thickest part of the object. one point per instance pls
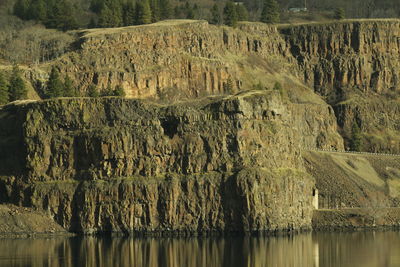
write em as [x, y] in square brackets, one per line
[109, 164]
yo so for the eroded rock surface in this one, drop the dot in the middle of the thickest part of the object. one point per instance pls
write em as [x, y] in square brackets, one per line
[218, 164]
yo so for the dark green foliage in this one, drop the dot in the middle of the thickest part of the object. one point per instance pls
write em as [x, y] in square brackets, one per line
[55, 87]
[356, 138]
[92, 24]
[107, 92]
[242, 13]
[119, 91]
[38, 10]
[143, 12]
[21, 9]
[339, 13]
[4, 98]
[230, 14]
[129, 12]
[215, 15]
[17, 88]
[92, 91]
[166, 9]
[188, 10]
[69, 89]
[278, 86]
[270, 12]
[155, 10]
[111, 14]
[96, 5]
[61, 16]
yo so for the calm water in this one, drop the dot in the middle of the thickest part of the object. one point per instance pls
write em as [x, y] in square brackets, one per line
[365, 249]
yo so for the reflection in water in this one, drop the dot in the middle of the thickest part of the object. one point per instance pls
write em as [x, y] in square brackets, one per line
[319, 249]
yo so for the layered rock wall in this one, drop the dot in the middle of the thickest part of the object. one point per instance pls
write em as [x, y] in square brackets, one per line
[218, 164]
[342, 56]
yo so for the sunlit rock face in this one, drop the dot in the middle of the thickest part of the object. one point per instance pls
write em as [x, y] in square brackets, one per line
[219, 164]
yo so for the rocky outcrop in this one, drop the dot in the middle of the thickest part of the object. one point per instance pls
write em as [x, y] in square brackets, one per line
[194, 59]
[339, 57]
[217, 164]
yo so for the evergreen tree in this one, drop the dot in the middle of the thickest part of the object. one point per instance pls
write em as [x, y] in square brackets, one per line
[92, 23]
[242, 13]
[111, 14]
[230, 15]
[356, 139]
[55, 88]
[143, 12]
[61, 15]
[4, 98]
[96, 6]
[166, 9]
[270, 12]
[17, 88]
[38, 10]
[215, 15]
[119, 91]
[155, 10]
[339, 14]
[69, 89]
[108, 91]
[21, 8]
[92, 91]
[129, 13]
[188, 10]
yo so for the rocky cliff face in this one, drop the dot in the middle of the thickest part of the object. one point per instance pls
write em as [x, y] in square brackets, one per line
[192, 60]
[217, 164]
[175, 60]
[339, 57]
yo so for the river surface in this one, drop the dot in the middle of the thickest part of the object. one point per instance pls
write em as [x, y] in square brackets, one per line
[367, 249]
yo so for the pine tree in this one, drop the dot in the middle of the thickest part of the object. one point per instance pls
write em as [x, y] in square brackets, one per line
[129, 13]
[69, 89]
[4, 98]
[21, 8]
[166, 9]
[119, 91]
[111, 14]
[96, 6]
[17, 88]
[215, 15]
[356, 139]
[92, 91]
[230, 15]
[108, 91]
[55, 88]
[339, 14]
[143, 12]
[38, 10]
[155, 10]
[242, 13]
[270, 12]
[61, 15]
